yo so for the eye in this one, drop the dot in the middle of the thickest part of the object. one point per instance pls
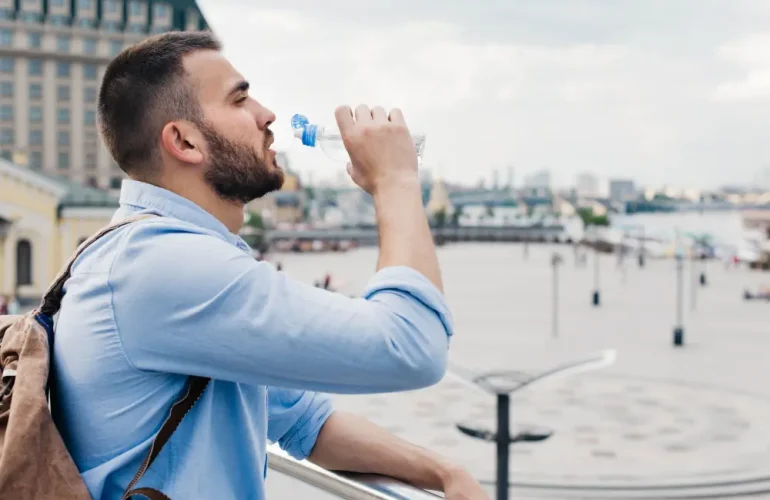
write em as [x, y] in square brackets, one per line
[241, 99]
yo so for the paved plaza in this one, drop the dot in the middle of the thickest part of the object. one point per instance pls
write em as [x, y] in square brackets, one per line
[662, 422]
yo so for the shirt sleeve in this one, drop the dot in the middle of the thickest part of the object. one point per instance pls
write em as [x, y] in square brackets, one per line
[192, 303]
[295, 418]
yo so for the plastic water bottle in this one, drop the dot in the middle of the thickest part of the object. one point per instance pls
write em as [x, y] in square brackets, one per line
[330, 140]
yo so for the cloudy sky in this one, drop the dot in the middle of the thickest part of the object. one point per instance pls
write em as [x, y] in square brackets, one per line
[670, 92]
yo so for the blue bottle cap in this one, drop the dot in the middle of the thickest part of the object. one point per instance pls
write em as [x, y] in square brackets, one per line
[303, 130]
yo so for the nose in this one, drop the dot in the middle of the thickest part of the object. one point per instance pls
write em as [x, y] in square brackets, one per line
[265, 117]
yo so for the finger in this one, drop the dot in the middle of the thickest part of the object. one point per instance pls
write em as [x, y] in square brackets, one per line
[396, 116]
[344, 116]
[379, 115]
[363, 114]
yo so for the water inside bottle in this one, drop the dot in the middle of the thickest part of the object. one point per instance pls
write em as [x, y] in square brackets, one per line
[333, 146]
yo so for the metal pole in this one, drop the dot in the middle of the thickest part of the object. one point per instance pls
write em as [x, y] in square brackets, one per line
[679, 329]
[641, 250]
[693, 284]
[555, 311]
[503, 444]
[596, 297]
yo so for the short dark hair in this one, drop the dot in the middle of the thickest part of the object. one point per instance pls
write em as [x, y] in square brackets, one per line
[144, 88]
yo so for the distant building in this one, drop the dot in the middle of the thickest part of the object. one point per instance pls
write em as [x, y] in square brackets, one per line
[622, 190]
[53, 54]
[43, 218]
[587, 185]
[538, 180]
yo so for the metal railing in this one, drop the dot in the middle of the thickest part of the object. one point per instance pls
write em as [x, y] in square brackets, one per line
[347, 486]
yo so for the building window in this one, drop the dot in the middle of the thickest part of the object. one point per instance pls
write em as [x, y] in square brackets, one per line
[63, 138]
[35, 67]
[60, 20]
[23, 263]
[89, 71]
[6, 14]
[35, 137]
[84, 5]
[63, 92]
[31, 17]
[63, 116]
[34, 40]
[85, 23]
[135, 8]
[35, 91]
[62, 69]
[6, 38]
[115, 47]
[159, 10]
[89, 94]
[89, 46]
[6, 154]
[137, 28]
[115, 182]
[6, 136]
[36, 159]
[64, 160]
[90, 161]
[110, 6]
[89, 118]
[56, 3]
[35, 114]
[6, 112]
[6, 64]
[6, 89]
[63, 43]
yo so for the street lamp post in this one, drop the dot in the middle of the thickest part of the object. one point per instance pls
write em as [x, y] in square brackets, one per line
[679, 328]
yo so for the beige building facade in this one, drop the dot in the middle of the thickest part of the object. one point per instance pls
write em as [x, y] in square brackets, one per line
[43, 218]
[52, 57]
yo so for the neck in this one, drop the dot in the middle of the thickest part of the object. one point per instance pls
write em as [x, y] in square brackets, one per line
[228, 213]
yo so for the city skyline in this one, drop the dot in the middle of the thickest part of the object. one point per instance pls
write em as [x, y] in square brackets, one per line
[663, 92]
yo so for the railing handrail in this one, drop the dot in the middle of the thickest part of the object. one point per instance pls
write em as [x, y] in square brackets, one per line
[347, 486]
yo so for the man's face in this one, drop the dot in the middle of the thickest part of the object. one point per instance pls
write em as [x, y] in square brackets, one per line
[240, 164]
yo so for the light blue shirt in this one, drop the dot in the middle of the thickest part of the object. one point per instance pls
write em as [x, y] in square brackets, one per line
[179, 295]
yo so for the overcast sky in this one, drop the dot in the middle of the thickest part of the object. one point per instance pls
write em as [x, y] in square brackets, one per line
[670, 92]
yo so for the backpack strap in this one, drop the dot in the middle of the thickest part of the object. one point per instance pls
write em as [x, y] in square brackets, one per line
[195, 388]
[52, 298]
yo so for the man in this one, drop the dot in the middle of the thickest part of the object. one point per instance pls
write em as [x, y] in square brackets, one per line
[179, 295]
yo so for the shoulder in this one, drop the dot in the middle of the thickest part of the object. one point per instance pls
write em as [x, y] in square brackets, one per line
[161, 257]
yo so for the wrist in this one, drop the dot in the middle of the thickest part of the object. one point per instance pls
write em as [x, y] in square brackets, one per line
[397, 186]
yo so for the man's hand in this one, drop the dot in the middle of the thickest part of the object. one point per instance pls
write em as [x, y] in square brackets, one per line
[384, 163]
[459, 485]
[381, 149]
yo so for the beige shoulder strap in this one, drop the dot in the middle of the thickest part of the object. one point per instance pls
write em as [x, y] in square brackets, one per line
[53, 296]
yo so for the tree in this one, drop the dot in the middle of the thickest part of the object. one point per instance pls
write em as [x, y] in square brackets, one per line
[589, 219]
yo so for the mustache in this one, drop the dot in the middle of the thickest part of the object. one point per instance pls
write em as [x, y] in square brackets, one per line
[269, 137]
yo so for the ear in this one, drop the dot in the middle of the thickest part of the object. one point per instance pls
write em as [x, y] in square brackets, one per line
[183, 141]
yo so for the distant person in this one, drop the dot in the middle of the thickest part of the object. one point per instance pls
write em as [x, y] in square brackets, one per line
[279, 266]
[14, 307]
[178, 295]
[3, 305]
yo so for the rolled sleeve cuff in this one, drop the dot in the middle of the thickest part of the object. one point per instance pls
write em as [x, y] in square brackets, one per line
[305, 433]
[409, 281]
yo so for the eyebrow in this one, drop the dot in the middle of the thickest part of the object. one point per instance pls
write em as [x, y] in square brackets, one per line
[242, 86]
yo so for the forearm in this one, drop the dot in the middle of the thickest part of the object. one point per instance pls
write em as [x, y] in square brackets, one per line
[351, 443]
[405, 236]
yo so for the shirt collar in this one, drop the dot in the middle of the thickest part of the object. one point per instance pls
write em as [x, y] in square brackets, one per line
[147, 197]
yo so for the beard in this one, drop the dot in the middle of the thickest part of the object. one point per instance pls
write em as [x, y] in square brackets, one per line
[235, 171]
